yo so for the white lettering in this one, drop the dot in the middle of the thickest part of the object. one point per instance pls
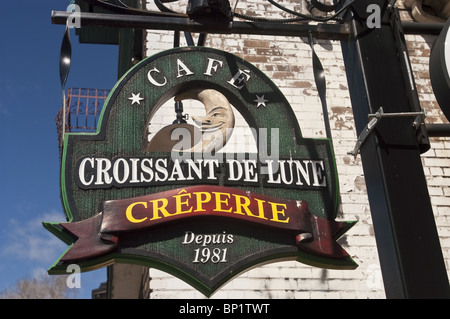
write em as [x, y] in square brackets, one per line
[211, 164]
[197, 169]
[152, 80]
[147, 169]
[234, 175]
[270, 173]
[298, 172]
[134, 170]
[161, 169]
[188, 238]
[283, 172]
[212, 66]
[250, 174]
[304, 172]
[128, 172]
[82, 170]
[103, 166]
[183, 67]
[177, 171]
[319, 179]
[117, 170]
[239, 77]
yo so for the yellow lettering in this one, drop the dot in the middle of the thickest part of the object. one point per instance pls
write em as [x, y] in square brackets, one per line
[162, 208]
[179, 203]
[129, 212]
[240, 205]
[260, 209]
[276, 212]
[220, 201]
[183, 205]
[200, 201]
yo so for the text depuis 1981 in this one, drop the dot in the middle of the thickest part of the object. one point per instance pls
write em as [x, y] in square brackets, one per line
[208, 252]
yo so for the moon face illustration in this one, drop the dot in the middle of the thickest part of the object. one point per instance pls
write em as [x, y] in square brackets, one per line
[218, 123]
[211, 133]
[173, 136]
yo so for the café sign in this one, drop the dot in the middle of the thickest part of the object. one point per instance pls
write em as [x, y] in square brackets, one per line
[176, 202]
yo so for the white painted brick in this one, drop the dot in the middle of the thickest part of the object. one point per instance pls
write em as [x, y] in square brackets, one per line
[315, 284]
[437, 162]
[443, 153]
[440, 201]
[264, 272]
[319, 295]
[243, 284]
[297, 272]
[438, 181]
[302, 295]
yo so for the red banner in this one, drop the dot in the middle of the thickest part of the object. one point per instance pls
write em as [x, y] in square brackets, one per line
[100, 234]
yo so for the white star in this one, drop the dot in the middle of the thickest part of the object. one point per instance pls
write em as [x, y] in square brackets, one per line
[136, 98]
[260, 100]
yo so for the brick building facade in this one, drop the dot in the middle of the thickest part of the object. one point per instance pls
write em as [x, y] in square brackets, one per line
[288, 62]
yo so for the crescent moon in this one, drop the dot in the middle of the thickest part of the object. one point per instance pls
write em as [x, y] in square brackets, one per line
[218, 123]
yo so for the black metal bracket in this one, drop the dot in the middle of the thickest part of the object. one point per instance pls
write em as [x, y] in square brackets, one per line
[374, 120]
[331, 31]
[181, 118]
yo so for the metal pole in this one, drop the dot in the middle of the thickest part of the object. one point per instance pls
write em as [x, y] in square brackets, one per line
[422, 28]
[319, 31]
[408, 244]
[438, 130]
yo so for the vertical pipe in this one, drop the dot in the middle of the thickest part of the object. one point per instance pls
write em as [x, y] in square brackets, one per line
[408, 244]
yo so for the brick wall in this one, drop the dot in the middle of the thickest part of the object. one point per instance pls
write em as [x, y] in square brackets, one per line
[287, 61]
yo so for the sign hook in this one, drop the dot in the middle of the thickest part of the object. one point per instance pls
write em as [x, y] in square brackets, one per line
[376, 117]
[64, 67]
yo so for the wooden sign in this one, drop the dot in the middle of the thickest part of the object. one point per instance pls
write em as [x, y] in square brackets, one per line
[179, 204]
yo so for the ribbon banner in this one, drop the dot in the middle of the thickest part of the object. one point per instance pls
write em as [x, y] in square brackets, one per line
[100, 234]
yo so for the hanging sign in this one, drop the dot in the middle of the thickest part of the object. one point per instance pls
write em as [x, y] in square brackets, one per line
[179, 204]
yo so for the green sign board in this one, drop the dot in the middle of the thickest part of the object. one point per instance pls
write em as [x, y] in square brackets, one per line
[176, 202]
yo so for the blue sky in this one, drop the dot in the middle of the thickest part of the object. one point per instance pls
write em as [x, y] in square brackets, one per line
[30, 97]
